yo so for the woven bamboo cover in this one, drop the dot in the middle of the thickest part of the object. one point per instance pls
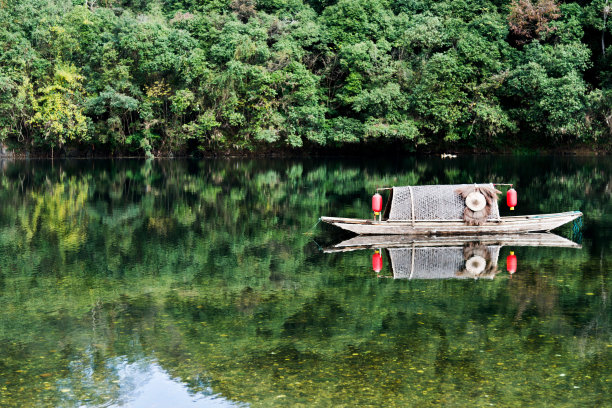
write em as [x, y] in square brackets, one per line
[432, 262]
[435, 202]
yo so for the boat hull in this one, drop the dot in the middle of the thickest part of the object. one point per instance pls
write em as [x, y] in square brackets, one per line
[506, 225]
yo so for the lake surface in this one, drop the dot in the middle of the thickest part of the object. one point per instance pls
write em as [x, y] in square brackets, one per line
[199, 283]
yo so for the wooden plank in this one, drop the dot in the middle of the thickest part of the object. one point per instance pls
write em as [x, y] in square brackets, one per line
[507, 225]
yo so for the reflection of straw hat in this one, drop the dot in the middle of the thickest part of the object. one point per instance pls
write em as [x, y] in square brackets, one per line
[475, 201]
[475, 265]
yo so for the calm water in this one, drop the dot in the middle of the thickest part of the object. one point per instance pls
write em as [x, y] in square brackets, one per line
[196, 283]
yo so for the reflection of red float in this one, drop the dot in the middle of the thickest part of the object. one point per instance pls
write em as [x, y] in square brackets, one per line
[376, 203]
[511, 263]
[511, 198]
[377, 262]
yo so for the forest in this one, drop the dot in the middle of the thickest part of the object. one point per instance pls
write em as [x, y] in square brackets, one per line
[189, 77]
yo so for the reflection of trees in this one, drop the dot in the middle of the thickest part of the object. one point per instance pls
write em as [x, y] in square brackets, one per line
[59, 211]
[204, 267]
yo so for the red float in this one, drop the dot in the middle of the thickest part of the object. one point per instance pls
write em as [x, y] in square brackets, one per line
[377, 262]
[511, 263]
[376, 203]
[511, 198]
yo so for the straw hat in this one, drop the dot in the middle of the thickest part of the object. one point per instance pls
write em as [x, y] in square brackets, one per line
[475, 201]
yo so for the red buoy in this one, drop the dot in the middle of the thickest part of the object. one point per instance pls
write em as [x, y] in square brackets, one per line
[377, 262]
[511, 263]
[511, 198]
[376, 203]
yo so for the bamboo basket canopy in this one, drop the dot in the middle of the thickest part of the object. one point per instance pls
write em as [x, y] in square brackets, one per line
[434, 202]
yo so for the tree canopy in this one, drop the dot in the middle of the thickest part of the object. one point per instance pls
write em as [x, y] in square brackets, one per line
[179, 76]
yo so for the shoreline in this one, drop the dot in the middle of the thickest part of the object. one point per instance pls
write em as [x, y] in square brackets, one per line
[357, 151]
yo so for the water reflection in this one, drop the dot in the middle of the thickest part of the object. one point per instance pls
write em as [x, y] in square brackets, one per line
[145, 384]
[474, 260]
[446, 257]
[199, 276]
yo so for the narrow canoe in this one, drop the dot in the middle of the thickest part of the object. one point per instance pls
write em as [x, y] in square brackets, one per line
[505, 225]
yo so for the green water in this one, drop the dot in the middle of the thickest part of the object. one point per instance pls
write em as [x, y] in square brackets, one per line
[193, 283]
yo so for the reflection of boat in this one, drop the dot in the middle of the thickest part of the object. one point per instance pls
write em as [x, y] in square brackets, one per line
[474, 261]
[403, 241]
[442, 209]
[445, 257]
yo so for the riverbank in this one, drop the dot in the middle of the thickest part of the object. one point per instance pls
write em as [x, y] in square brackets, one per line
[343, 151]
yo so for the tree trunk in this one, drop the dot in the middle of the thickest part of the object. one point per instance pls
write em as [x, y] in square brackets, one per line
[606, 11]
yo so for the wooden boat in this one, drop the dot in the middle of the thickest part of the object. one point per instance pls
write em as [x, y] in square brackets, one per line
[439, 210]
[505, 225]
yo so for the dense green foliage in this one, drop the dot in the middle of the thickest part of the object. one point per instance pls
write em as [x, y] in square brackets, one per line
[154, 78]
[203, 267]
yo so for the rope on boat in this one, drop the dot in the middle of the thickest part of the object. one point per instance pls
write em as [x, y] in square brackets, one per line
[577, 230]
[412, 261]
[311, 230]
[411, 204]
